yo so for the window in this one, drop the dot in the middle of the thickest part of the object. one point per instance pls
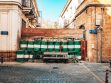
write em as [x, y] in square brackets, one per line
[71, 7]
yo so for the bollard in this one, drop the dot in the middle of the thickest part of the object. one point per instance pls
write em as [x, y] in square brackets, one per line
[110, 63]
[106, 78]
[2, 60]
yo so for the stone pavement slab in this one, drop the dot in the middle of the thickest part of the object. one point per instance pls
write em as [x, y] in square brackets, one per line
[52, 73]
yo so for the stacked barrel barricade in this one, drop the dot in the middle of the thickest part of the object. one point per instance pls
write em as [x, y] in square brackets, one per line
[30, 50]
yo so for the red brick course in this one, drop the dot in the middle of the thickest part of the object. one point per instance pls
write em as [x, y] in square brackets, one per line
[30, 32]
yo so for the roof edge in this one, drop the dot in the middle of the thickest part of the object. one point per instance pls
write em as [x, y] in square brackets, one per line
[36, 7]
[65, 7]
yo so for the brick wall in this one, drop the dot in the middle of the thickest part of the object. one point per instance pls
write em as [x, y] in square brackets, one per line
[87, 18]
[29, 32]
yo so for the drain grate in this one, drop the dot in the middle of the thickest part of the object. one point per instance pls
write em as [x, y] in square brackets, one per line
[55, 68]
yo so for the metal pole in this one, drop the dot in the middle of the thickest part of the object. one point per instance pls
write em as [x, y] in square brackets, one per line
[96, 39]
[97, 47]
[102, 12]
[106, 77]
[100, 46]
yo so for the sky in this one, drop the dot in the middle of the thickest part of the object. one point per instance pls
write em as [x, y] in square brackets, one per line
[51, 9]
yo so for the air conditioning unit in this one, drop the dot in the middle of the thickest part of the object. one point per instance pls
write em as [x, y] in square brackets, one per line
[66, 22]
[98, 20]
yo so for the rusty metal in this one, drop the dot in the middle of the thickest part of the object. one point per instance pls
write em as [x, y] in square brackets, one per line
[106, 77]
[84, 49]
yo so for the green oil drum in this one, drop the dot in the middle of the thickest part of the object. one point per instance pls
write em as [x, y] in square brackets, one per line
[78, 49]
[77, 45]
[30, 46]
[31, 57]
[20, 56]
[78, 55]
[50, 46]
[37, 45]
[26, 56]
[44, 46]
[57, 46]
[65, 46]
[23, 45]
[71, 46]
[37, 55]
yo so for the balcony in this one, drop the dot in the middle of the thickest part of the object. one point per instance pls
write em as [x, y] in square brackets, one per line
[27, 6]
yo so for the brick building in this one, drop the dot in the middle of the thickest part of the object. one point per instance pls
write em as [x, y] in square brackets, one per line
[95, 15]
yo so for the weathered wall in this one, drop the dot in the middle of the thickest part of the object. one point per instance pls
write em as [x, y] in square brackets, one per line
[87, 18]
[17, 1]
[29, 32]
[10, 20]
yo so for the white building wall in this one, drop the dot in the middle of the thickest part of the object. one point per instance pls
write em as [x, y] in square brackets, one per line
[18, 1]
[61, 23]
[10, 20]
[69, 14]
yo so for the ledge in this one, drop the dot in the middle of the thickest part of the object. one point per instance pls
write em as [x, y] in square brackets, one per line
[11, 3]
[92, 5]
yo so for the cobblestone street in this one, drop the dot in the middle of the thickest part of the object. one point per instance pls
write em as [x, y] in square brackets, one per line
[52, 73]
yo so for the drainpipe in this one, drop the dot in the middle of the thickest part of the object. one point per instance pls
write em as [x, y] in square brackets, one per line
[97, 48]
[100, 46]
[96, 39]
[102, 12]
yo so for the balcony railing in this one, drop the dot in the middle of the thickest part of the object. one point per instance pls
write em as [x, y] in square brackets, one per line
[26, 3]
[28, 8]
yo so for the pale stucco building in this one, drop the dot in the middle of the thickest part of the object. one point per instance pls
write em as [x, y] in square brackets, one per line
[15, 15]
[68, 14]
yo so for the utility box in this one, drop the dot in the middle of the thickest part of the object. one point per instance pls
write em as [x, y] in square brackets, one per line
[98, 20]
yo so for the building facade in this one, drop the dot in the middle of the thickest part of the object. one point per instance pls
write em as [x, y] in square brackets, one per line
[68, 14]
[15, 15]
[94, 18]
